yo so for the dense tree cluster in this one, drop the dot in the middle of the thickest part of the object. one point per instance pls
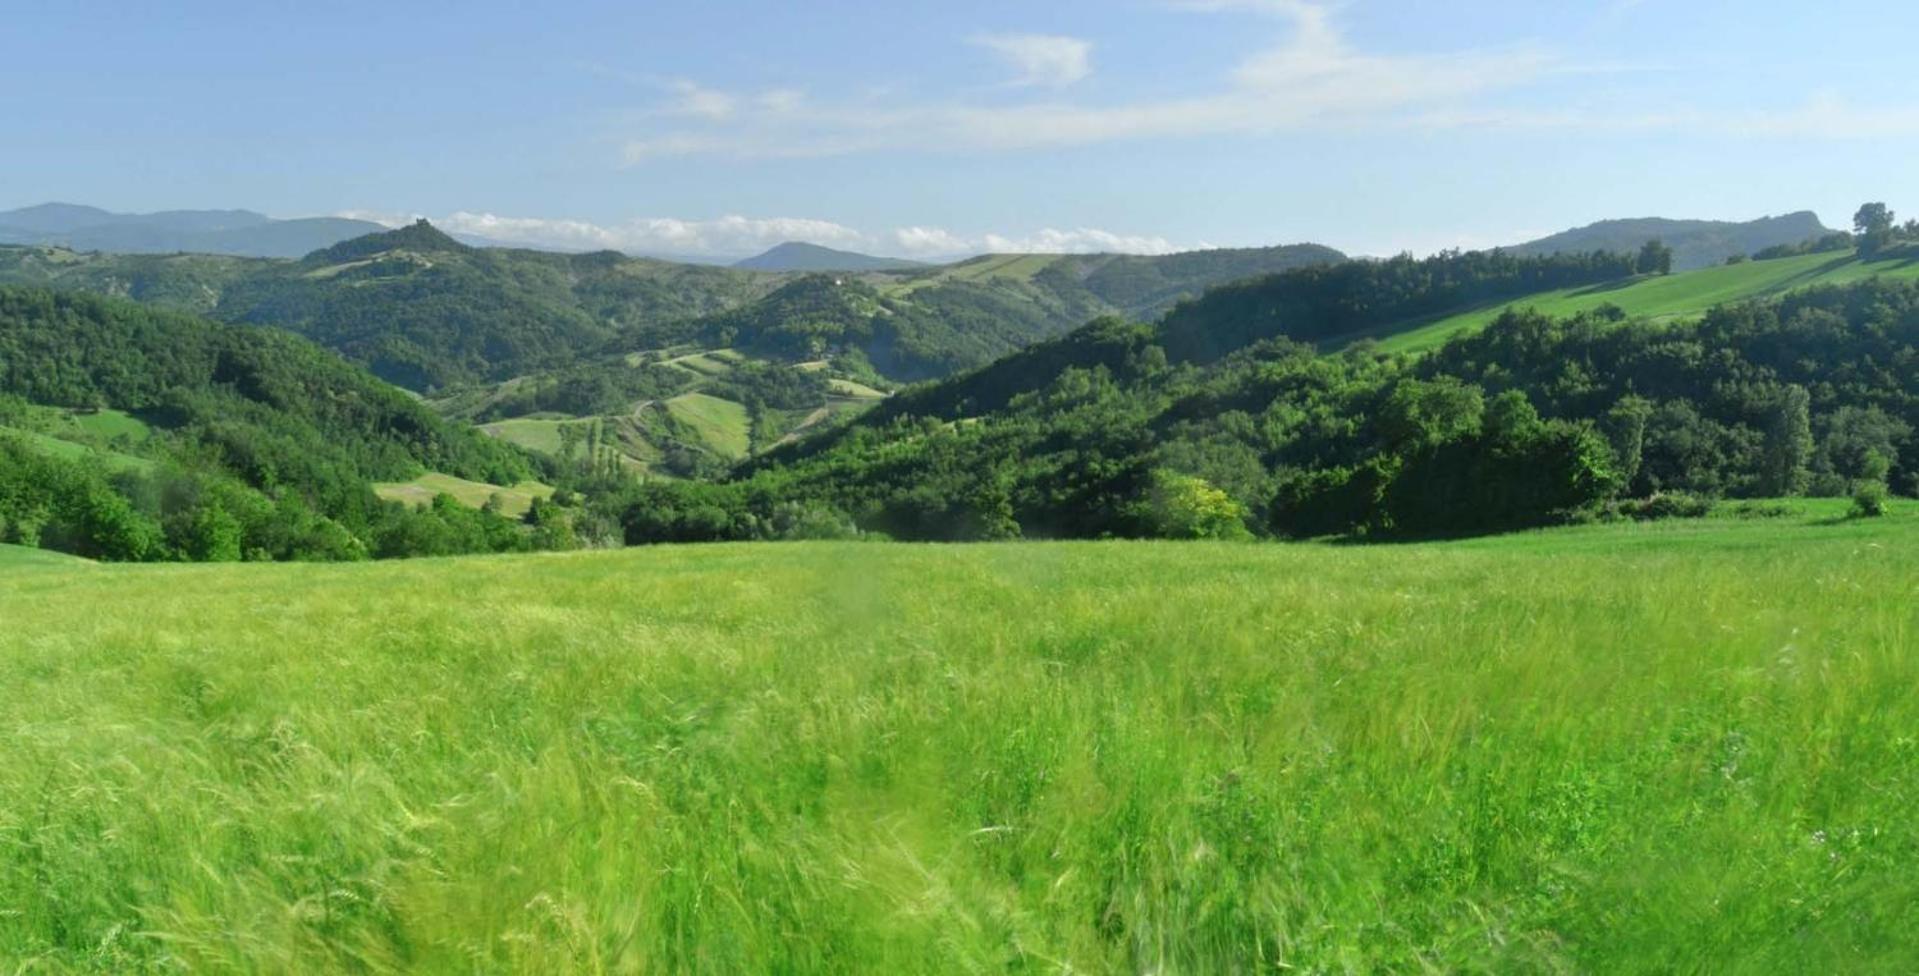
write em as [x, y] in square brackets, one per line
[1531, 421]
[258, 434]
[1317, 303]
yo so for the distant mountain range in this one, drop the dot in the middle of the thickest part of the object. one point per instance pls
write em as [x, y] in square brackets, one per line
[1695, 243]
[427, 312]
[798, 256]
[234, 232]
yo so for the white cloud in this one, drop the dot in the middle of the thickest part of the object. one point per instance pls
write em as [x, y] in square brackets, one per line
[939, 242]
[1084, 240]
[1042, 60]
[722, 237]
[739, 236]
[704, 103]
[385, 218]
[931, 242]
[1313, 76]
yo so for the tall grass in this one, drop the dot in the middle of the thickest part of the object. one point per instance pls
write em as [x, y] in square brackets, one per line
[1628, 749]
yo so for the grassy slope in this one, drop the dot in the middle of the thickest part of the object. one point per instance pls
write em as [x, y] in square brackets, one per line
[1642, 748]
[1673, 295]
[514, 500]
[534, 435]
[75, 451]
[722, 424]
[21, 557]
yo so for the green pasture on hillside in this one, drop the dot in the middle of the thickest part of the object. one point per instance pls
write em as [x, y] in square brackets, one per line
[1668, 296]
[514, 500]
[722, 424]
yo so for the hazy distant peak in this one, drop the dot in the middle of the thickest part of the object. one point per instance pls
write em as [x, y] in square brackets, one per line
[1695, 243]
[799, 256]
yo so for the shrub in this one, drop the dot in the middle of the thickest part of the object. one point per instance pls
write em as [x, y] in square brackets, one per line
[1665, 505]
[1869, 500]
[1179, 506]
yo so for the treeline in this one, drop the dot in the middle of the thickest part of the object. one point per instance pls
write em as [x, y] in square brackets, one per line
[259, 437]
[1328, 301]
[1532, 421]
[592, 389]
[176, 511]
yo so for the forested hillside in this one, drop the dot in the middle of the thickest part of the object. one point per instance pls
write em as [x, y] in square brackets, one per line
[1116, 429]
[429, 313]
[135, 433]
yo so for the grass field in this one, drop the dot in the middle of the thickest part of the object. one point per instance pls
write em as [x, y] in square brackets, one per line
[20, 557]
[723, 424]
[109, 424]
[514, 500]
[534, 435]
[1681, 747]
[848, 388]
[1019, 267]
[76, 451]
[1668, 296]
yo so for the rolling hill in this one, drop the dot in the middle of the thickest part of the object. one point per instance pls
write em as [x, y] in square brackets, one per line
[230, 232]
[1695, 243]
[1660, 297]
[430, 313]
[1229, 416]
[132, 433]
[798, 256]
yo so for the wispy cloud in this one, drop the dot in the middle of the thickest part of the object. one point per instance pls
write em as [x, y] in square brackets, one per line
[1042, 60]
[1825, 116]
[704, 103]
[1312, 75]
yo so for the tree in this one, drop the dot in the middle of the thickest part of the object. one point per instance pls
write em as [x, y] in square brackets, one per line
[215, 536]
[1869, 496]
[1654, 258]
[1873, 223]
[1426, 414]
[1788, 446]
[1625, 428]
[1180, 506]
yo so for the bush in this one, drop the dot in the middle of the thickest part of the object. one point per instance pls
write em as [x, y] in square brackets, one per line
[796, 521]
[1179, 506]
[1869, 500]
[1763, 510]
[1666, 505]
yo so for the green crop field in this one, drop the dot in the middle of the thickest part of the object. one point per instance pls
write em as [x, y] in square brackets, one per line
[514, 500]
[722, 424]
[1668, 296]
[1676, 747]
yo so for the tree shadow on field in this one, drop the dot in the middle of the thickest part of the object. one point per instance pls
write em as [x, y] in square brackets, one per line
[1617, 284]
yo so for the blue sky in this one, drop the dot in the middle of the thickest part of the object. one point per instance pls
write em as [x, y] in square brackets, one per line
[931, 128]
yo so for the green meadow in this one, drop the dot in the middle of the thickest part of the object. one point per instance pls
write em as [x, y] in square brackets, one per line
[1674, 747]
[1662, 297]
[721, 424]
[514, 500]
